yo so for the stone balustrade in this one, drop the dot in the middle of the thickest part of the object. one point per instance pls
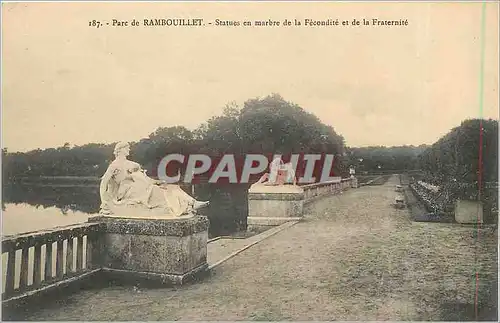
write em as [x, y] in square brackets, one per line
[275, 205]
[313, 191]
[72, 247]
[160, 251]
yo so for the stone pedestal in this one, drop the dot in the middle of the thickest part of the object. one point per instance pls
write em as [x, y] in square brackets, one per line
[167, 251]
[468, 212]
[274, 205]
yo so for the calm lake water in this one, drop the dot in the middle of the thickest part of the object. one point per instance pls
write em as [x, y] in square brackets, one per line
[36, 206]
[33, 207]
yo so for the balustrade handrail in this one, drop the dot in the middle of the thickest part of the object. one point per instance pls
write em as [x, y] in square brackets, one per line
[75, 265]
[314, 185]
[32, 238]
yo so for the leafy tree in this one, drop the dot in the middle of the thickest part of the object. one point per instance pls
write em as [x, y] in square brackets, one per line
[465, 163]
[384, 159]
[273, 124]
[455, 156]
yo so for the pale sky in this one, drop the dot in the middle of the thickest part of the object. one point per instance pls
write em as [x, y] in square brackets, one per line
[63, 81]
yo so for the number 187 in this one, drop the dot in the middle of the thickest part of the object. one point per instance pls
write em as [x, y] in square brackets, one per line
[94, 23]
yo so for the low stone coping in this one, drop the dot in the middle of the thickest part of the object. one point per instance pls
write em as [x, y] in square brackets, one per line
[338, 181]
[178, 227]
[275, 189]
[277, 196]
[270, 221]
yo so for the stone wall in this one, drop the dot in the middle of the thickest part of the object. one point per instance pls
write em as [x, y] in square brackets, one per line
[313, 191]
[275, 205]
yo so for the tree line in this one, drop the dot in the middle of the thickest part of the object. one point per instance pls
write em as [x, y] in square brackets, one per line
[456, 155]
[380, 159]
[273, 125]
[464, 162]
[262, 125]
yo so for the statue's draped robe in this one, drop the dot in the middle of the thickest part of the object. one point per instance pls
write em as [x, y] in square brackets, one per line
[273, 170]
[290, 173]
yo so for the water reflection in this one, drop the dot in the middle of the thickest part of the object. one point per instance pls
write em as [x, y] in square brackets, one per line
[66, 198]
[36, 206]
[19, 218]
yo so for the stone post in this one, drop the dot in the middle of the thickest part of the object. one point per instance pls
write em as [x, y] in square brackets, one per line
[468, 211]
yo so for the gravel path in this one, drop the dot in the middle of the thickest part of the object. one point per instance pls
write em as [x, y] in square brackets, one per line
[353, 258]
[223, 249]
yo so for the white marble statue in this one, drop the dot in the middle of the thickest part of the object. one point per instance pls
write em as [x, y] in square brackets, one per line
[125, 188]
[290, 174]
[279, 174]
[274, 167]
[352, 171]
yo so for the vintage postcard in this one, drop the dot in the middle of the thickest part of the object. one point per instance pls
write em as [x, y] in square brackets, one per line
[250, 161]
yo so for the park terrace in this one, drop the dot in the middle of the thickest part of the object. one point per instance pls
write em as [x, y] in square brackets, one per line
[353, 257]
